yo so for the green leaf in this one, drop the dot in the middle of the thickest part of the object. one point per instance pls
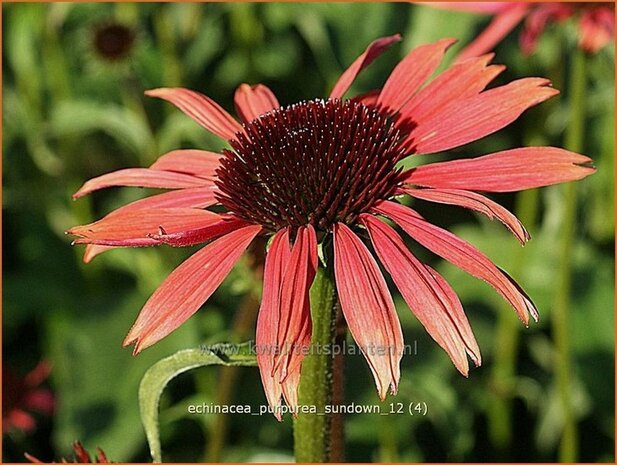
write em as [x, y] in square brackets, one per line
[82, 117]
[157, 377]
[84, 337]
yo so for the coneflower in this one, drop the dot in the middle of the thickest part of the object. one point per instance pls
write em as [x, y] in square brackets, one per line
[113, 41]
[325, 172]
[595, 20]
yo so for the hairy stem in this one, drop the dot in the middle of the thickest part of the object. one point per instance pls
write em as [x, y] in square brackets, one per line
[311, 431]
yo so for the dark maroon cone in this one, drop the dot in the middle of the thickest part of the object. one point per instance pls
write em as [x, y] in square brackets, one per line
[317, 162]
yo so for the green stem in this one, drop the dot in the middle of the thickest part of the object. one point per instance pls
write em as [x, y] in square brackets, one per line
[166, 38]
[507, 339]
[312, 431]
[568, 447]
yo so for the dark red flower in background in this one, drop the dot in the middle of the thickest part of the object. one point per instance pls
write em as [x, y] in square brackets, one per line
[21, 396]
[596, 23]
[326, 171]
[81, 456]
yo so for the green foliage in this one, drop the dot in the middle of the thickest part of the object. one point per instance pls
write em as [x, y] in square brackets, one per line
[163, 371]
[69, 114]
[97, 381]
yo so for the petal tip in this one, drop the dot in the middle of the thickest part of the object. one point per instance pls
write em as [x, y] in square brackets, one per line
[136, 350]
[448, 42]
[394, 388]
[158, 92]
[129, 339]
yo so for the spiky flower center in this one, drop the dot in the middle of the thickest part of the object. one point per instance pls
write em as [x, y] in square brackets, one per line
[316, 162]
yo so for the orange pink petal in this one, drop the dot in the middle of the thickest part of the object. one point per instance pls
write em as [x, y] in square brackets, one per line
[294, 326]
[268, 317]
[187, 237]
[199, 197]
[187, 288]
[200, 163]
[475, 202]
[460, 253]
[472, 118]
[203, 110]
[506, 171]
[429, 297]
[501, 25]
[141, 177]
[368, 308]
[132, 228]
[459, 81]
[253, 101]
[596, 28]
[411, 72]
[375, 48]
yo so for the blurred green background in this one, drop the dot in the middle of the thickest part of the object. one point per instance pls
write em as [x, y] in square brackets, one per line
[73, 108]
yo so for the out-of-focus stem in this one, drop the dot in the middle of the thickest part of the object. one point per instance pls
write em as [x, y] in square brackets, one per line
[507, 339]
[172, 71]
[228, 377]
[568, 447]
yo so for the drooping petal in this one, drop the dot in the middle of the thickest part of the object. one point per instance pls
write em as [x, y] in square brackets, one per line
[134, 228]
[205, 111]
[92, 250]
[475, 202]
[596, 28]
[253, 101]
[376, 48]
[368, 308]
[458, 316]
[187, 288]
[501, 25]
[199, 197]
[268, 319]
[429, 297]
[537, 19]
[141, 177]
[290, 389]
[459, 81]
[460, 253]
[472, 118]
[411, 72]
[199, 163]
[294, 328]
[507, 171]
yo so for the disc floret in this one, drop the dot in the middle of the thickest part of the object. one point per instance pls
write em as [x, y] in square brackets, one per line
[315, 162]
